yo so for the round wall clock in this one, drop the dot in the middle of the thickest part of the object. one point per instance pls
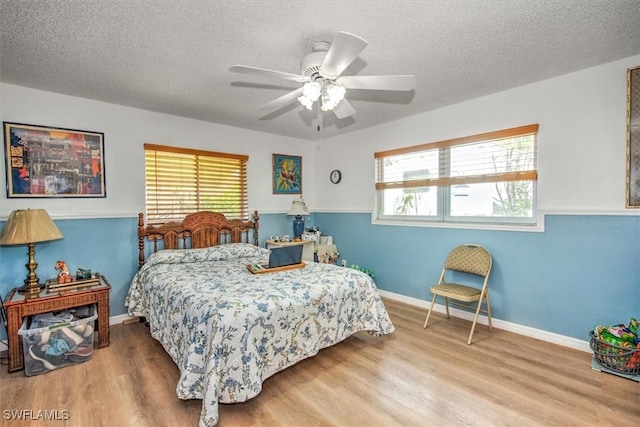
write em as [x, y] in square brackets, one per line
[335, 176]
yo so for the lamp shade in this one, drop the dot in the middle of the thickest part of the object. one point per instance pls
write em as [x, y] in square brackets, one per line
[298, 208]
[26, 226]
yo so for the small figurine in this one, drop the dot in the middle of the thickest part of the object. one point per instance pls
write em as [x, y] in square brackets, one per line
[83, 274]
[63, 272]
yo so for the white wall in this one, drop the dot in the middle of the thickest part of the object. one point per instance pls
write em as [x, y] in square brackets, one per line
[582, 145]
[582, 141]
[125, 131]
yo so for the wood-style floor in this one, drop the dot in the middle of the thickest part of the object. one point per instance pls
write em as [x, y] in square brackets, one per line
[413, 377]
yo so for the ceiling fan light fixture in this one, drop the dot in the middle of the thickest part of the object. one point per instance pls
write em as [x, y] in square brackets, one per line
[312, 90]
[332, 96]
[306, 102]
[336, 92]
[326, 104]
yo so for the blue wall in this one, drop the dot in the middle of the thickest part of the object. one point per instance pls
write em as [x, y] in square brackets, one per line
[583, 270]
[107, 246]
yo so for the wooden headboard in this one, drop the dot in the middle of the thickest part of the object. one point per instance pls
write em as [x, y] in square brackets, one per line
[196, 230]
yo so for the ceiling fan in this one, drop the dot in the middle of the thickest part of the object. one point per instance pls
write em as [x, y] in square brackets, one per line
[321, 75]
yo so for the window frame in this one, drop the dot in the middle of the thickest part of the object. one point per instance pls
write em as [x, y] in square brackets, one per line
[211, 162]
[443, 184]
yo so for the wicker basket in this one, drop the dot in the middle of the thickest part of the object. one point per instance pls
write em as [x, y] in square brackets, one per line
[619, 359]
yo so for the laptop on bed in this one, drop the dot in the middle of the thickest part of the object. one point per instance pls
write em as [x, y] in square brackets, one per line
[281, 257]
[286, 255]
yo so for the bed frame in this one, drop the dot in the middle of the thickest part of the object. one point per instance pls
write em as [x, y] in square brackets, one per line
[197, 230]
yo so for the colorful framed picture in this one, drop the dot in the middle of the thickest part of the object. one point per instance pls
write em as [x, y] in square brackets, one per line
[49, 162]
[287, 174]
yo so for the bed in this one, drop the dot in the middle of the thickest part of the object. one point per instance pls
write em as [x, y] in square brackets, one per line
[227, 329]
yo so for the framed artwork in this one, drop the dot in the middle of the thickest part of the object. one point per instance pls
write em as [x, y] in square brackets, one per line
[633, 137]
[49, 162]
[287, 174]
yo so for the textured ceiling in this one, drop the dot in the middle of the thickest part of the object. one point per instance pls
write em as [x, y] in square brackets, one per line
[173, 56]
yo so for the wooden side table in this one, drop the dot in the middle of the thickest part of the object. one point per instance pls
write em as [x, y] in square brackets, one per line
[18, 306]
[307, 250]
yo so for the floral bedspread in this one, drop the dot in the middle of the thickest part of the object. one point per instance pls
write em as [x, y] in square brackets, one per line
[228, 330]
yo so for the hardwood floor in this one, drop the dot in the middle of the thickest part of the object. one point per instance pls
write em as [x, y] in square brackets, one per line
[415, 376]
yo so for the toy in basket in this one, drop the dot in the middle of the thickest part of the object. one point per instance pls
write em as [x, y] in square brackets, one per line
[617, 347]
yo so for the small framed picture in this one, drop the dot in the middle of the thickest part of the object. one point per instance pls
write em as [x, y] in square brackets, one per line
[49, 162]
[287, 174]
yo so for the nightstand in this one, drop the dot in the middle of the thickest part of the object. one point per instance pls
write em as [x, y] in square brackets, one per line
[307, 251]
[18, 306]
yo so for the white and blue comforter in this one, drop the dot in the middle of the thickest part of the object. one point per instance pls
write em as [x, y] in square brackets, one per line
[228, 330]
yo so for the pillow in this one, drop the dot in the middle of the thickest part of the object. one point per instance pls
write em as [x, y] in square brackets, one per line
[234, 250]
[213, 253]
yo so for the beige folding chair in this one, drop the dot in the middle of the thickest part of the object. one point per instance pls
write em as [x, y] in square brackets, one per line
[472, 259]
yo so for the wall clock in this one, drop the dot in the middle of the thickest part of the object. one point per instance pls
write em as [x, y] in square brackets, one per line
[335, 176]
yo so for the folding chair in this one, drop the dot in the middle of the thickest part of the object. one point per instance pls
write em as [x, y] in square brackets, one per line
[471, 259]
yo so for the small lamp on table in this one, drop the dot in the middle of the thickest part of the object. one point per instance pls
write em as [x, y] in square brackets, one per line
[299, 209]
[28, 227]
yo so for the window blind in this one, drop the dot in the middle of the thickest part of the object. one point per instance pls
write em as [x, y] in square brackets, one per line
[500, 156]
[179, 181]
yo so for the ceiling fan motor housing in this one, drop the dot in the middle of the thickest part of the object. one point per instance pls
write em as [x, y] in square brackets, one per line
[310, 64]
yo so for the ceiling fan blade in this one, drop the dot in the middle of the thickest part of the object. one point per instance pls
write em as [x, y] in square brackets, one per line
[343, 51]
[263, 72]
[283, 101]
[378, 82]
[344, 109]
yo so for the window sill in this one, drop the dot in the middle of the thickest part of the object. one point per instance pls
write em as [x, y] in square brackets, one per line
[531, 228]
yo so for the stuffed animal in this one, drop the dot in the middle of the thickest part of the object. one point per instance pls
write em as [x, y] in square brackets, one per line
[63, 272]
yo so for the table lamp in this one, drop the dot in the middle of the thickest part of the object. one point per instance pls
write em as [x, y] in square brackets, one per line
[29, 226]
[298, 208]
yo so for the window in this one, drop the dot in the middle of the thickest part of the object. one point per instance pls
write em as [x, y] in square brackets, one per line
[489, 177]
[179, 181]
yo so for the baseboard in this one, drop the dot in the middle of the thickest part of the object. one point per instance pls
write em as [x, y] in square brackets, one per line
[562, 340]
[121, 318]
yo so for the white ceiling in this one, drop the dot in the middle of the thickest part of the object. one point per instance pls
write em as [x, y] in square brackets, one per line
[173, 56]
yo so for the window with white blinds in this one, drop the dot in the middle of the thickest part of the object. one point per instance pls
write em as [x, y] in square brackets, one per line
[488, 177]
[179, 181]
